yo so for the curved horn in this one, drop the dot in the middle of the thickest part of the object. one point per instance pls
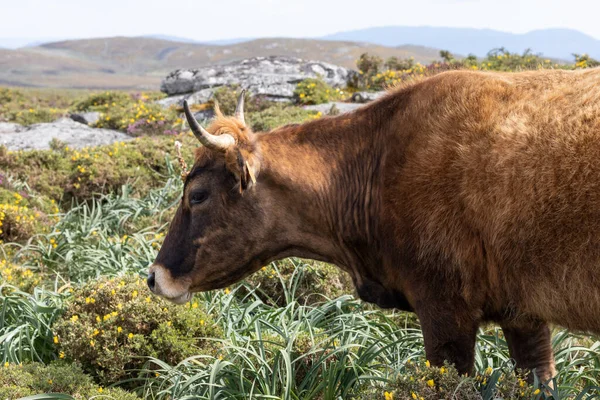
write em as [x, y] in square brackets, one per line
[213, 142]
[239, 110]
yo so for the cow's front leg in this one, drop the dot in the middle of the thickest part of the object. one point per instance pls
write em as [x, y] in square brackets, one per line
[530, 346]
[449, 332]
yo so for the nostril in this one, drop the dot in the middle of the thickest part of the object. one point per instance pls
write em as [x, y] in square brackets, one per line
[151, 281]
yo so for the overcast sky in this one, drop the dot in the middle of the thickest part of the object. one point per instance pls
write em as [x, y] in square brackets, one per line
[224, 19]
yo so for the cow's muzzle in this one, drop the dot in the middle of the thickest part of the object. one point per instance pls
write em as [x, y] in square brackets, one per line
[161, 283]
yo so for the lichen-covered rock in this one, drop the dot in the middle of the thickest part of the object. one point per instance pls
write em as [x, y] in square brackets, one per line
[10, 127]
[273, 77]
[73, 134]
[199, 97]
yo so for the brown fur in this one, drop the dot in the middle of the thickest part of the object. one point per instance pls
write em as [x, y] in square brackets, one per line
[466, 197]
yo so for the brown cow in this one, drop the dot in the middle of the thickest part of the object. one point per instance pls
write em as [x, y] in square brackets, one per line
[466, 197]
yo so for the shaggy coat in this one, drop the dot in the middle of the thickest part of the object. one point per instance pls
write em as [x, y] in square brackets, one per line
[466, 197]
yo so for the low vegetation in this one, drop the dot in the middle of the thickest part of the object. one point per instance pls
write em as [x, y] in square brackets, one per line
[375, 74]
[79, 228]
[30, 379]
[317, 91]
[111, 326]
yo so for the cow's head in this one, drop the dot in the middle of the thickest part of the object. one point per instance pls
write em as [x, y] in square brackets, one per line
[219, 232]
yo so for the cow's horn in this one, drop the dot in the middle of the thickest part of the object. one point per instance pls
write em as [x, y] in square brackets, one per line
[239, 110]
[213, 142]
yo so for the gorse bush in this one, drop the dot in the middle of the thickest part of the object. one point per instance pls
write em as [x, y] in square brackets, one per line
[111, 325]
[585, 61]
[316, 91]
[35, 115]
[137, 118]
[503, 60]
[22, 278]
[22, 214]
[420, 381]
[100, 101]
[17, 381]
[303, 280]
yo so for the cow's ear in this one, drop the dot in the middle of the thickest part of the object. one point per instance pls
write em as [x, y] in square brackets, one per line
[245, 167]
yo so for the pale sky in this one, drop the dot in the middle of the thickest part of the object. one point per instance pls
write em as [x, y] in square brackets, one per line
[224, 19]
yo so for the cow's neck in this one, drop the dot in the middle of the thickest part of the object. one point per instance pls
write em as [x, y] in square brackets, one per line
[329, 175]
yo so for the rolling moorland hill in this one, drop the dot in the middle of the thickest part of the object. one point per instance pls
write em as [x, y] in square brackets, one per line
[141, 62]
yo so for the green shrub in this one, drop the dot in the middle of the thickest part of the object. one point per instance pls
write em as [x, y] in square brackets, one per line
[9, 95]
[279, 115]
[99, 101]
[112, 325]
[137, 118]
[307, 281]
[30, 379]
[23, 214]
[315, 91]
[503, 60]
[585, 61]
[35, 115]
[396, 64]
[420, 381]
[20, 277]
[137, 114]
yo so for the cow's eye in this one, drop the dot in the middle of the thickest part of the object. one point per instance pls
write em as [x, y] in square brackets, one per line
[198, 197]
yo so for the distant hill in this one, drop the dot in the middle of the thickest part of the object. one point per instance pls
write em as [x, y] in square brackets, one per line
[16, 43]
[554, 43]
[141, 62]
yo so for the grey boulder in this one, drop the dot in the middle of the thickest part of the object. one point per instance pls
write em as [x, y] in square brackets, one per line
[273, 77]
[73, 134]
[10, 127]
[88, 118]
[199, 97]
